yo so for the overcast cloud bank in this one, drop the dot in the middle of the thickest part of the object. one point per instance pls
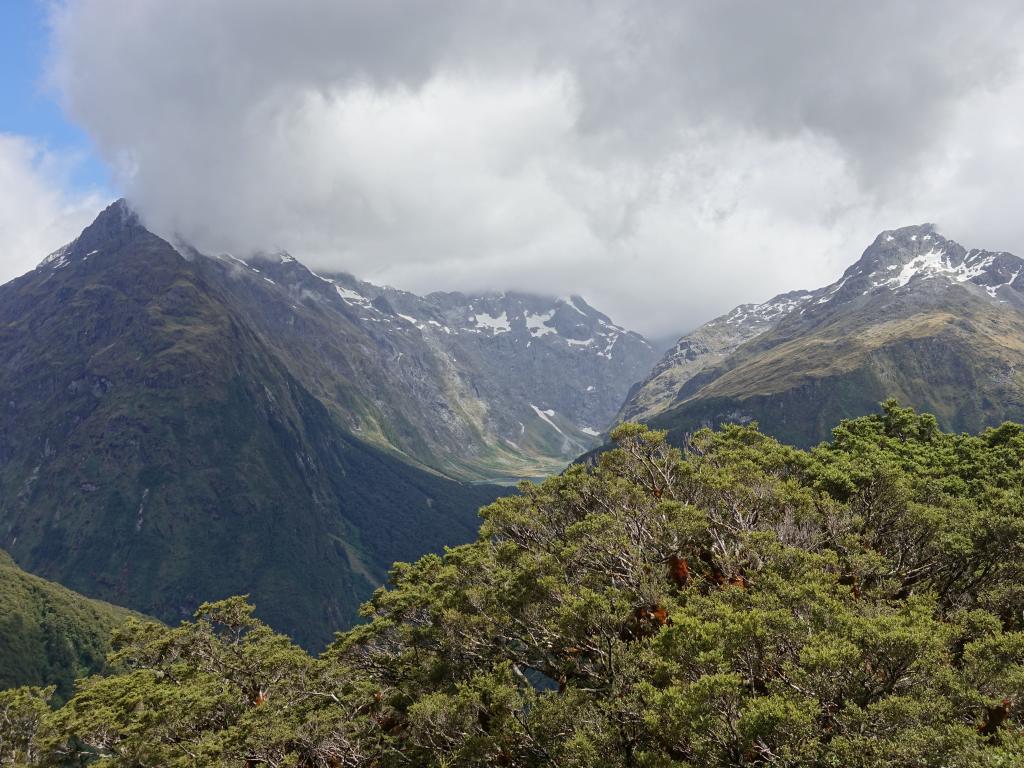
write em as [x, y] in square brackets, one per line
[36, 215]
[667, 160]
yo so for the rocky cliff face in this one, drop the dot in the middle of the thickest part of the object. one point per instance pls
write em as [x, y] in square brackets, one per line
[494, 386]
[918, 317]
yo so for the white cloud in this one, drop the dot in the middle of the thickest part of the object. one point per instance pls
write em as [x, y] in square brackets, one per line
[665, 159]
[37, 216]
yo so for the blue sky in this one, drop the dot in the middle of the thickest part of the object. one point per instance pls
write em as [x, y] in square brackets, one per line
[27, 107]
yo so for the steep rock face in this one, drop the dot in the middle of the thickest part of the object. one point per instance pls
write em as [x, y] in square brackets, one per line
[917, 317]
[157, 451]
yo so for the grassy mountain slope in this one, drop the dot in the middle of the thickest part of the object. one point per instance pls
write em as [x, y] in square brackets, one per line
[155, 452]
[964, 368]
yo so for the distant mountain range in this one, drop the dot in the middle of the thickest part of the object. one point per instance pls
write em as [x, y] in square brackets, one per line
[917, 317]
[177, 427]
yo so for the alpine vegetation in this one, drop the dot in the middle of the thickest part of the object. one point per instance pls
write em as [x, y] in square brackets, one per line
[740, 603]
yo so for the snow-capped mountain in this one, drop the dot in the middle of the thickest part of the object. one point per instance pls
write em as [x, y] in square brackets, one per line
[909, 286]
[709, 344]
[488, 386]
[564, 360]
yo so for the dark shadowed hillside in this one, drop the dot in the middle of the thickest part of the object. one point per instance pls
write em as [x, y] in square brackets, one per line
[155, 450]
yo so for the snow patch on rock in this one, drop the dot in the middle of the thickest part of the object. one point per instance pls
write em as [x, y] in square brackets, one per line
[497, 324]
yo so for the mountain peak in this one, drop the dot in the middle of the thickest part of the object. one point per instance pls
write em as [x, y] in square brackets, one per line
[906, 270]
[907, 256]
[115, 225]
[898, 247]
[113, 219]
[910, 232]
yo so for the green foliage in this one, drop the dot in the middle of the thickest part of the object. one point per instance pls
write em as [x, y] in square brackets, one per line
[48, 634]
[22, 712]
[749, 604]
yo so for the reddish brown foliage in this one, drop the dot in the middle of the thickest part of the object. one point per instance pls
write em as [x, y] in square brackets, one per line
[679, 570]
[995, 717]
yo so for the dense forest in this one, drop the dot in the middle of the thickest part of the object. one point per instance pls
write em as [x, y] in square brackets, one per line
[49, 634]
[738, 603]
